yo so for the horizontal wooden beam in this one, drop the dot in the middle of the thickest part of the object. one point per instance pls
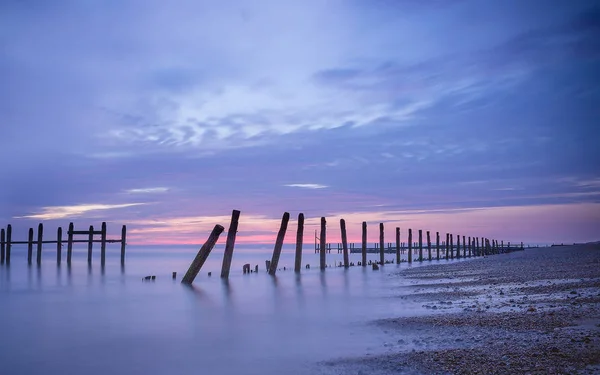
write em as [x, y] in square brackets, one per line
[74, 241]
[86, 232]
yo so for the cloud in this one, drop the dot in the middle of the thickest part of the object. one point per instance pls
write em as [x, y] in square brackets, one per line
[61, 212]
[147, 190]
[307, 186]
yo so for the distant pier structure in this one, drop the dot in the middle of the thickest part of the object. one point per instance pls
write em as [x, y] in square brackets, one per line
[90, 235]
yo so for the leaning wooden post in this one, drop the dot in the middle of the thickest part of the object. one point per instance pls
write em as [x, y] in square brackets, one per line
[202, 255]
[381, 245]
[410, 246]
[323, 245]
[429, 245]
[231, 233]
[40, 235]
[90, 244]
[458, 246]
[8, 242]
[397, 245]
[421, 257]
[299, 239]
[69, 243]
[59, 246]
[2, 246]
[103, 245]
[30, 246]
[279, 243]
[344, 243]
[364, 244]
[123, 243]
[437, 244]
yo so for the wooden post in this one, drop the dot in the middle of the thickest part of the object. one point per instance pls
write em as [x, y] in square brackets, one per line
[364, 244]
[344, 243]
[299, 239]
[464, 246]
[397, 245]
[40, 235]
[30, 246]
[323, 246]
[410, 246]
[90, 244]
[381, 245]
[458, 246]
[420, 245]
[437, 244]
[103, 244]
[2, 246]
[429, 245]
[447, 245]
[123, 243]
[69, 243]
[451, 246]
[8, 242]
[470, 247]
[59, 246]
[279, 243]
[202, 255]
[231, 233]
[477, 249]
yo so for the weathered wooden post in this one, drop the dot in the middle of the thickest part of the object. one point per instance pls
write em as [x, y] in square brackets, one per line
[410, 246]
[279, 243]
[90, 244]
[2, 246]
[323, 238]
[502, 246]
[364, 244]
[464, 243]
[123, 243]
[477, 248]
[429, 245]
[69, 243]
[447, 245]
[420, 245]
[344, 243]
[437, 244]
[103, 245]
[231, 233]
[470, 247]
[458, 246]
[299, 239]
[59, 245]
[397, 245]
[202, 255]
[451, 246]
[381, 245]
[30, 246]
[40, 235]
[8, 242]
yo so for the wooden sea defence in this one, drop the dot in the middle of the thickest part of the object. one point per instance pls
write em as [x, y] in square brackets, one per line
[7, 243]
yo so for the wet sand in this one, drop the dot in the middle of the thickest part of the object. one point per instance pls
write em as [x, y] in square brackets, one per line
[531, 312]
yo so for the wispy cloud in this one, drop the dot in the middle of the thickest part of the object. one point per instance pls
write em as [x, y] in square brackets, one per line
[307, 186]
[61, 212]
[147, 190]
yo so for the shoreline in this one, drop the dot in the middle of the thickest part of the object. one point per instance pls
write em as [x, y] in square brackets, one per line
[531, 312]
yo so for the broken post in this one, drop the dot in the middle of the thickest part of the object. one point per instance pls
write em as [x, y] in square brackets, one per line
[90, 244]
[299, 239]
[231, 233]
[40, 235]
[323, 246]
[429, 245]
[279, 243]
[103, 245]
[410, 246]
[364, 244]
[202, 255]
[397, 245]
[59, 245]
[420, 245]
[123, 243]
[344, 243]
[69, 243]
[381, 245]
[29, 246]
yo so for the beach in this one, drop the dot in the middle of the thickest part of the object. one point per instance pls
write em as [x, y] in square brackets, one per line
[529, 312]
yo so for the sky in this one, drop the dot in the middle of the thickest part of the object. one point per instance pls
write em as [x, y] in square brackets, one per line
[475, 117]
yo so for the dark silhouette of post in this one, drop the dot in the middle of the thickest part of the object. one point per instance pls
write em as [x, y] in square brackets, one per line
[429, 245]
[40, 235]
[323, 246]
[477, 249]
[447, 245]
[344, 243]
[451, 246]
[279, 243]
[59, 246]
[364, 244]
[90, 244]
[231, 233]
[2, 246]
[420, 245]
[381, 245]
[103, 245]
[458, 246]
[30, 246]
[8, 242]
[202, 255]
[464, 247]
[410, 246]
[123, 243]
[299, 239]
[470, 247]
[437, 244]
[69, 243]
[397, 245]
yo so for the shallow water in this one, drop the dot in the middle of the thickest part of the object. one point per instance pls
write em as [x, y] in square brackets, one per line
[80, 319]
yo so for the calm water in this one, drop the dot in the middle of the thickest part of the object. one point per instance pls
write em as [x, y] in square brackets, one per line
[84, 320]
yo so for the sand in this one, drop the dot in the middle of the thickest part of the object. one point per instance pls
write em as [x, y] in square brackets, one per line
[530, 312]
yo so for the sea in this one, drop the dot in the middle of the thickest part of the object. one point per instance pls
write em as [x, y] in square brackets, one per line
[88, 319]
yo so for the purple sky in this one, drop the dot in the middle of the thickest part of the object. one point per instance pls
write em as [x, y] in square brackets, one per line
[476, 117]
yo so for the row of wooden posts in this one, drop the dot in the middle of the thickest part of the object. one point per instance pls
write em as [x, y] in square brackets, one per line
[6, 243]
[488, 246]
